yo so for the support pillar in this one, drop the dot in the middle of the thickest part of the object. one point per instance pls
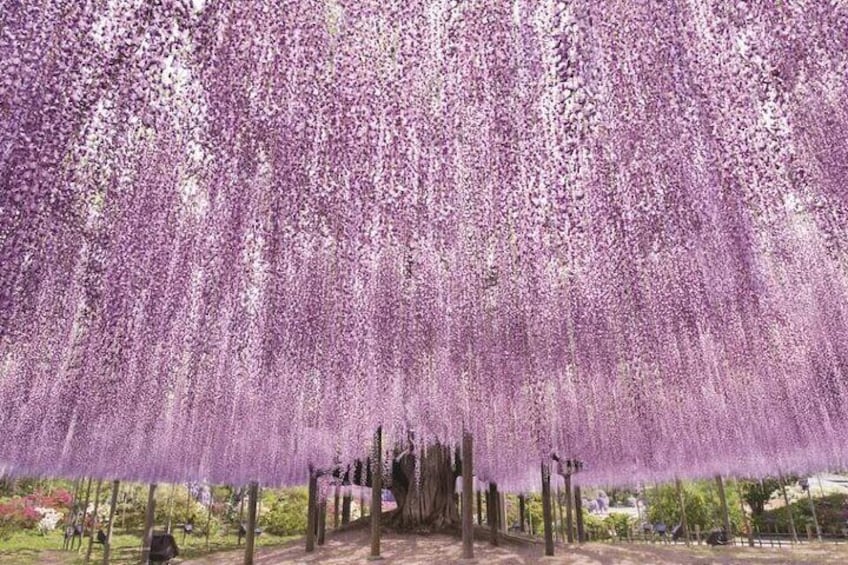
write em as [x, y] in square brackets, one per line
[467, 497]
[322, 521]
[479, 507]
[70, 522]
[347, 498]
[148, 524]
[547, 515]
[84, 515]
[91, 534]
[376, 493]
[521, 517]
[569, 513]
[578, 514]
[311, 510]
[492, 513]
[250, 535]
[113, 503]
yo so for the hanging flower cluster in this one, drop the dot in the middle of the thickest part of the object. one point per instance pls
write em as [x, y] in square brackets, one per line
[236, 237]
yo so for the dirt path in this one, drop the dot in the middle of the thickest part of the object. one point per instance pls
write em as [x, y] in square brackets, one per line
[352, 547]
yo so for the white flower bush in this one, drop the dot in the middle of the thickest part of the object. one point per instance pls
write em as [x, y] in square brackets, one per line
[50, 518]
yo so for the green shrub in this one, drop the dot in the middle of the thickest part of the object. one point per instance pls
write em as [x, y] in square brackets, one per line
[621, 524]
[287, 513]
[703, 506]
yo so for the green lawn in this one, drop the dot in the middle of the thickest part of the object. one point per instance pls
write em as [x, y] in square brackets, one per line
[27, 548]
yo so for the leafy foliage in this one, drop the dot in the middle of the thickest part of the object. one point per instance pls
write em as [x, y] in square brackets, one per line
[703, 506]
[756, 493]
[831, 511]
[287, 514]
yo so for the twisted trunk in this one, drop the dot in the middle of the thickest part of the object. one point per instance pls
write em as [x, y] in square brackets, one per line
[430, 505]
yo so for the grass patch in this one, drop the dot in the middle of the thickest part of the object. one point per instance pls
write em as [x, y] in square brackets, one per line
[30, 548]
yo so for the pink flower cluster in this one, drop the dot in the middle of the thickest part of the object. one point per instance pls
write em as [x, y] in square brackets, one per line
[235, 238]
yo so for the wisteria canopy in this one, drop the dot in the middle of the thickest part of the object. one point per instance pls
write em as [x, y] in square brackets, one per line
[236, 237]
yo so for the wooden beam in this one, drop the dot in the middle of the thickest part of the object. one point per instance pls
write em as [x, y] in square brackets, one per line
[467, 497]
[91, 535]
[578, 514]
[149, 518]
[113, 503]
[569, 511]
[70, 522]
[322, 521]
[376, 493]
[250, 533]
[547, 515]
[492, 505]
[84, 515]
[347, 498]
[311, 510]
[521, 517]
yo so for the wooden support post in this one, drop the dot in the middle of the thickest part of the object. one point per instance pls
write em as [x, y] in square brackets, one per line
[250, 530]
[70, 522]
[84, 516]
[149, 516]
[479, 508]
[569, 513]
[521, 517]
[792, 529]
[547, 515]
[492, 513]
[336, 507]
[578, 514]
[681, 500]
[725, 513]
[467, 496]
[376, 493]
[311, 510]
[322, 521]
[113, 503]
[347, 498]
[91, 534]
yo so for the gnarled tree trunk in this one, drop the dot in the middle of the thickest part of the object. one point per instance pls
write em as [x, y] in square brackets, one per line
[430, 505]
